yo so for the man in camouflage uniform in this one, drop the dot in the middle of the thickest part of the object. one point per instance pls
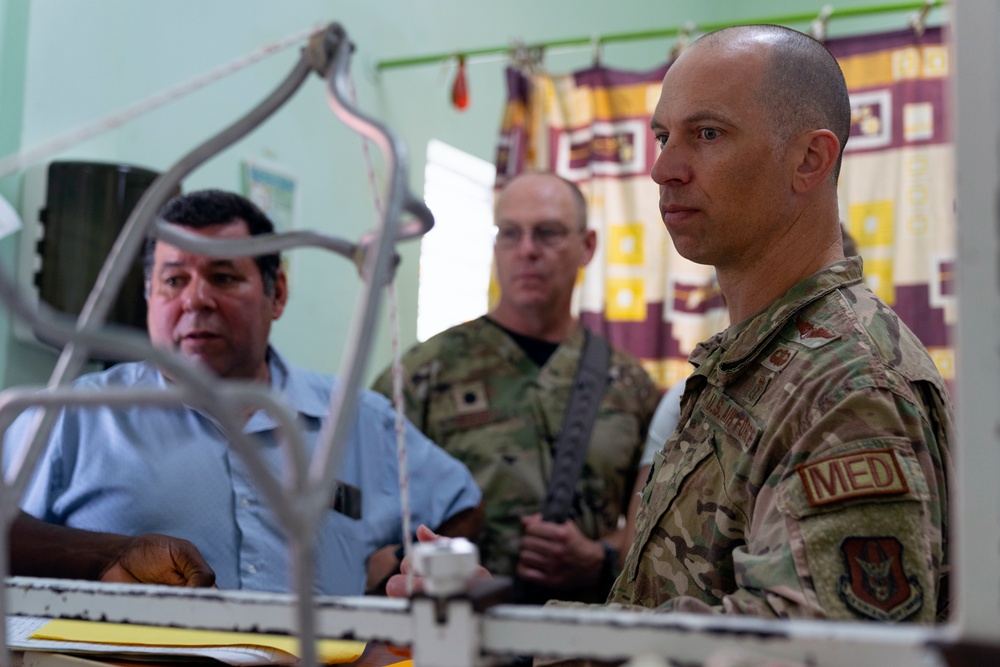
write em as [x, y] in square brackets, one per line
[493, 392]
[808, 478]
[808, 475]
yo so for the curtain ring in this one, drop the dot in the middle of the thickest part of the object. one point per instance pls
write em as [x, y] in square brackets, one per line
[818, 27]
[918, 20]
[683, 39]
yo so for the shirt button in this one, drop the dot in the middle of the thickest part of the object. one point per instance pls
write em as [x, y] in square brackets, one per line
[251, 569]
[244, 503]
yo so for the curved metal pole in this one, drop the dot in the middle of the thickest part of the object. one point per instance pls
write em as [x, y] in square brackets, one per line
[377, 266]
[261, 244]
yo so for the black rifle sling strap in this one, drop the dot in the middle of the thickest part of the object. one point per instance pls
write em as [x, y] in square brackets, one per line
[589, 385]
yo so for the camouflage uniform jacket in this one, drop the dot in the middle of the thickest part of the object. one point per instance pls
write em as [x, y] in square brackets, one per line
[807, 477]
[472, 390]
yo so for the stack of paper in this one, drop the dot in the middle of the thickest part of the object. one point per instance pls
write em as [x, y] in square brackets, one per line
[150, 642]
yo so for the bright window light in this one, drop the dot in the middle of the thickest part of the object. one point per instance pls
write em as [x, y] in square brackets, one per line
[455, 255]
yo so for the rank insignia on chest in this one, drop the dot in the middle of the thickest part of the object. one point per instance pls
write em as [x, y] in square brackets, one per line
[756, 389]
[808, 334]
[876, 585]
[470, 397]
[779, 358]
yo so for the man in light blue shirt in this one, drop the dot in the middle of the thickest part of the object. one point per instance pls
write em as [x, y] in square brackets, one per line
[171, 470]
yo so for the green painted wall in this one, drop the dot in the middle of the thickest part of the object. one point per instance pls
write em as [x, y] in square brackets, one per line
[64, 63]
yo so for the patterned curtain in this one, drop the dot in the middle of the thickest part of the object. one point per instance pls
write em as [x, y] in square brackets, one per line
[897, 189]
[592, 127]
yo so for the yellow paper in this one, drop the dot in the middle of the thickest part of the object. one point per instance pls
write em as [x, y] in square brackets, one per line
[126, 634]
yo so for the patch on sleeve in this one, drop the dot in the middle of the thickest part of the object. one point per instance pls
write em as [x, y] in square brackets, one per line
[876, 585]
[860, 474]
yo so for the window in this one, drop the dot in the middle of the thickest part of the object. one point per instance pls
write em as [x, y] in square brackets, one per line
[455, 256]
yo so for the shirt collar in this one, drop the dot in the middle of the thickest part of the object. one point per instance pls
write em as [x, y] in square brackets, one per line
[292, 386]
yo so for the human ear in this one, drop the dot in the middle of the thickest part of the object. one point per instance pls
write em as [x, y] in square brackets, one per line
[589, 246]
[280, 293]
[816, 157]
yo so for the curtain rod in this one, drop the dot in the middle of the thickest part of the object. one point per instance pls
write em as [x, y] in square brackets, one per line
[924, 7]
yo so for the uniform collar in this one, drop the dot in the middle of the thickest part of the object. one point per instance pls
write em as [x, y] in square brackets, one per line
[508, 348]
[734, 348]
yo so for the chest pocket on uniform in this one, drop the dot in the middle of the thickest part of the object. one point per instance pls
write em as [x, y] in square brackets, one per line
[672, 466]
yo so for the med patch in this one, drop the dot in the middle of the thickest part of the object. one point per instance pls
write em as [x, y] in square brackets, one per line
[861, 474]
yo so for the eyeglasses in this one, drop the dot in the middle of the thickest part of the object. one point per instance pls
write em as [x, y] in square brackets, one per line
[549, 235]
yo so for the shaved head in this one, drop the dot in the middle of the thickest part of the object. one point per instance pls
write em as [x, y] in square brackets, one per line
[803, 87]
[579, 201]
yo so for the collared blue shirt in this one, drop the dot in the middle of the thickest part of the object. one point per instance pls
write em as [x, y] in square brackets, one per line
[135, 470]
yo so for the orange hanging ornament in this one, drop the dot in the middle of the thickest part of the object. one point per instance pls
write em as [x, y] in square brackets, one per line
[460, 89]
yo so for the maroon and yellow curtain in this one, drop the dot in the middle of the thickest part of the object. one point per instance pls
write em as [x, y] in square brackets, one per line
[897, 187]
[897, 194]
